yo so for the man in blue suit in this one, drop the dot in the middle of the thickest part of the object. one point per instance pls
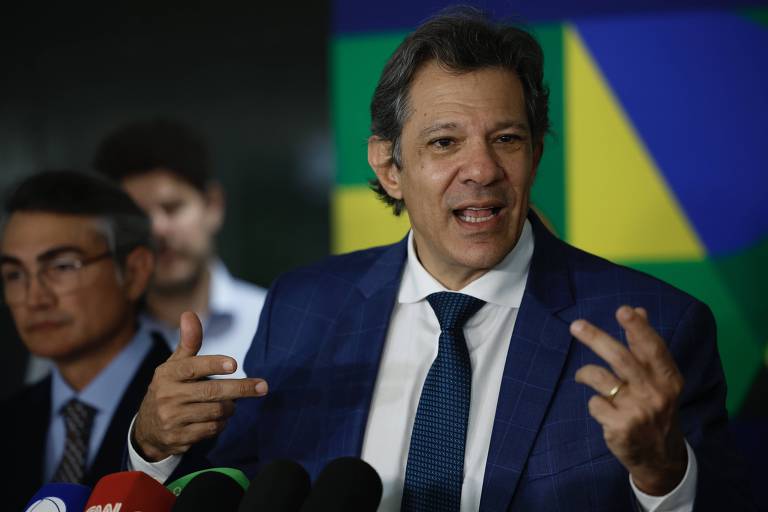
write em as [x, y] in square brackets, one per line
[481, 363]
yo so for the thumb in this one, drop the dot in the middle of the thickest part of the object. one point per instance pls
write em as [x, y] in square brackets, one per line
[190, 336]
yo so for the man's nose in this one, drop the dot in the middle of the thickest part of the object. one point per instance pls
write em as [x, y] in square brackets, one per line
[39, 294]
[482, 164]
[160, 224]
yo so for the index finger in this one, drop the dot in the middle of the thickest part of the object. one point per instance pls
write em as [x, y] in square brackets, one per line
[190, 337]
[198, 367]
[217, 390]
[618, 357]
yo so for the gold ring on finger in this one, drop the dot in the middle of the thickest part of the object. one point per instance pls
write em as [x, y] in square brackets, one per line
[614, 391]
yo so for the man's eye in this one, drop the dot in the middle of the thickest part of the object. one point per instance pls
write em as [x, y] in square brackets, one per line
[441, 143]
[64, 267]
[172, 207]
[13, 275]
[509, 137]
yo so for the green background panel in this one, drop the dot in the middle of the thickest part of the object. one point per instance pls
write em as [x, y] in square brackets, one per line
[356, 63]
[759, 14]
[746, 275]
[548, 193]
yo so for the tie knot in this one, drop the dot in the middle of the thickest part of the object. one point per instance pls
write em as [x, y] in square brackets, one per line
[453, 309]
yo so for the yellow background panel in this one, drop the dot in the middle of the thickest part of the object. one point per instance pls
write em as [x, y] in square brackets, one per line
[360, 220]
[618, 204]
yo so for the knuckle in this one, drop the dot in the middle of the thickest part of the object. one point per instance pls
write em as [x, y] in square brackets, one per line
[185, 372]
[210, 390]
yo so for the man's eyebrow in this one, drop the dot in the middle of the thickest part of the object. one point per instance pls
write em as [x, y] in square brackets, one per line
[58, 251]
[514, 124]
[429, 130]
[517, 125]
[4, 258]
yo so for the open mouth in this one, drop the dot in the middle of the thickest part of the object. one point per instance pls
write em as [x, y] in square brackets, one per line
[475, 215]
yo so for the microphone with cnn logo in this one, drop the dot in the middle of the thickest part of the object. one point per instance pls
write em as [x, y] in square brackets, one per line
[129, 491]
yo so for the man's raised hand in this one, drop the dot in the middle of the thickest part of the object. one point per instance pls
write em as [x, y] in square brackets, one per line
[181, 407]
[636, 402]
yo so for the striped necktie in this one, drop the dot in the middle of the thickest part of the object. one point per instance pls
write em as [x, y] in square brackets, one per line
[78, 420]
[434, 472]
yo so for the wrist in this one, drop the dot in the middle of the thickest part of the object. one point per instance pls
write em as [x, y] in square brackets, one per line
[145, 449]
[662, 479]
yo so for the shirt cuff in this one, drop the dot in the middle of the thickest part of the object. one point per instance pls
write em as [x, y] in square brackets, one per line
[680, 499]
[160, 470]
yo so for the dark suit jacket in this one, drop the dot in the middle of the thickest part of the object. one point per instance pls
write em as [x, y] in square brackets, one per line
[320, 340]
[24, 428]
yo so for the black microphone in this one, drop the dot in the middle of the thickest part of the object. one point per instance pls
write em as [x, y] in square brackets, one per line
[280, 486]
[345, 484]
[210, 490]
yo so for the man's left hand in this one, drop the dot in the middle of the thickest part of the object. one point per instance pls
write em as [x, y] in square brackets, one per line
[636, 403]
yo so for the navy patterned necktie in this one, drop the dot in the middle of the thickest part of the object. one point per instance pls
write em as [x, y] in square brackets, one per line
[435, 470]
[78, 420]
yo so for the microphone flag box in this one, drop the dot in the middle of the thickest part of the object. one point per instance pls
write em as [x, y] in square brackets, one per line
[59, 497]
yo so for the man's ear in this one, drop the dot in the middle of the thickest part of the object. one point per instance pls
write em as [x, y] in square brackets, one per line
[215, 204]
[138, 268]
[381, 161]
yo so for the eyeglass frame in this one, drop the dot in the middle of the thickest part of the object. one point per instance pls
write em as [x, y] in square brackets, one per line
[41, 277]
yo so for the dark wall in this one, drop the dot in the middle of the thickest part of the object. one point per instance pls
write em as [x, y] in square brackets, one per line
[250, 76]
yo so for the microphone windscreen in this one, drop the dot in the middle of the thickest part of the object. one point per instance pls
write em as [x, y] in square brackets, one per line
[130, 490]
[178, 485]
[54, 497]
[210, 490]
[345, 484]
[280, 486]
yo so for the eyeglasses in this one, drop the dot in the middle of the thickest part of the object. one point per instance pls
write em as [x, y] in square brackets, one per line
[61, 275]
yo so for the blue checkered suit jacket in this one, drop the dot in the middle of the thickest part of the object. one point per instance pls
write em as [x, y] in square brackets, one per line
[320, 339]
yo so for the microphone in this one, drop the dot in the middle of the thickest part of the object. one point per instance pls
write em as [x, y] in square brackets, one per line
[129, 490]
[280, 486]
[210, 490]
[345, 484]
[59, 496]
[178, 485]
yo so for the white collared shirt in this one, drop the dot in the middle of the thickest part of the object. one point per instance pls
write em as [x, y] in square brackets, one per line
[410, 349]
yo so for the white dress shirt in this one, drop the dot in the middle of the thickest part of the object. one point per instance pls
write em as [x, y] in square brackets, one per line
[234, 307]
[411, 347]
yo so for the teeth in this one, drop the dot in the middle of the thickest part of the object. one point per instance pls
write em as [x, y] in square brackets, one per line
[476, 219]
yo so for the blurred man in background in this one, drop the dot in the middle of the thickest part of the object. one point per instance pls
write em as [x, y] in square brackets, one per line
[165, 167]
[75, 261]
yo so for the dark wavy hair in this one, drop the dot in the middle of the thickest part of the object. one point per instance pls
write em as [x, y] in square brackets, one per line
[78, 193]
[144, 146]
[461, 39]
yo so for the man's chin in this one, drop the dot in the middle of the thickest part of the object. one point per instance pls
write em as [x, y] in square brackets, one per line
[174, 284]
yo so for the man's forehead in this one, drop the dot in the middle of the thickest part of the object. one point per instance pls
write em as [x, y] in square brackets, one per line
[436, 93]
[33, 233]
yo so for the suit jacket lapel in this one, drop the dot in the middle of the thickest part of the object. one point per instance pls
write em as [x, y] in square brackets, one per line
[110, 456]
[356, 351]
[535, 359]
[28, 456]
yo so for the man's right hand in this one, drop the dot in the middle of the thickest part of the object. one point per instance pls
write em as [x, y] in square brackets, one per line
[179, 408]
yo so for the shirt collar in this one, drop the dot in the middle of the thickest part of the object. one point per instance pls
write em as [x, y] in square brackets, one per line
[111, 382]
[222, 298]
[503, 285]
